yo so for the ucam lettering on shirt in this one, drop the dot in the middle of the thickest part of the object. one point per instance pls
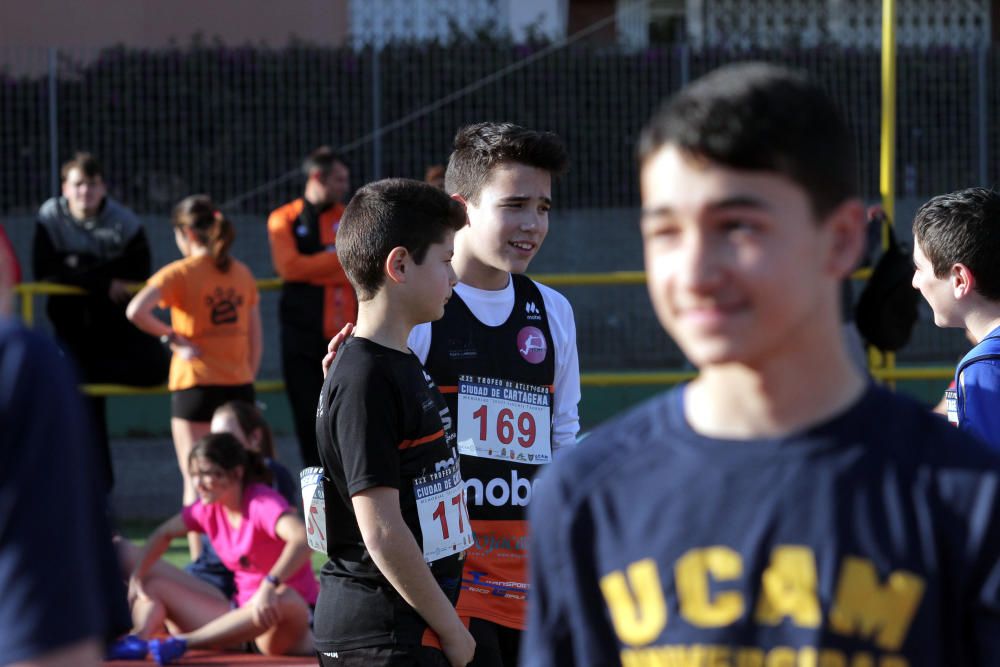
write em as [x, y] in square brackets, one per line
[863, 607]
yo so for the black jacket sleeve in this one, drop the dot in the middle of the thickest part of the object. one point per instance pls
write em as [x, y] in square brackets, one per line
[49, 263]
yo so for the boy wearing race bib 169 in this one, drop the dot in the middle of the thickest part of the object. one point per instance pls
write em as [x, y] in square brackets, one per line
[393, 489]
[504, 356]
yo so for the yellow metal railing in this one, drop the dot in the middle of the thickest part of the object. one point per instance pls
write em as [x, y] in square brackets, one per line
[28, 292]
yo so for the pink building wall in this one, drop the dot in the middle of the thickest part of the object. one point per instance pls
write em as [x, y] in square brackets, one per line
[156, 23]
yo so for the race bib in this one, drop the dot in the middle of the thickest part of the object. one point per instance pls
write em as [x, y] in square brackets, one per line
[314, 507]
[500, 419]
[951, 400]
[444, 520]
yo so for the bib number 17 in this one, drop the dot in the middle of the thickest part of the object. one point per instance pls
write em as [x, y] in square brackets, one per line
[441, 514]
[444, 519]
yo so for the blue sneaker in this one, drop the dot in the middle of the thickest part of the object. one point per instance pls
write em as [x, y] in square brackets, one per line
[167, 650]
[128, 647]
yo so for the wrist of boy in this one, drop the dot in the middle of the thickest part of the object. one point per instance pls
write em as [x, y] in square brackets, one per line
[273, 580]
[169, 338]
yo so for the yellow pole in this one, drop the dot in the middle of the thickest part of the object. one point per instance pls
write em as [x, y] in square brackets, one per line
[887, 156]
[887, 163]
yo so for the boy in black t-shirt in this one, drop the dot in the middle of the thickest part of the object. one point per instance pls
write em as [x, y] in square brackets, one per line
[395, 506]
[778, 509]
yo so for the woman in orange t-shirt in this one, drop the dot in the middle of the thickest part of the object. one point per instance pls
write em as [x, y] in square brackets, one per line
[215, 330]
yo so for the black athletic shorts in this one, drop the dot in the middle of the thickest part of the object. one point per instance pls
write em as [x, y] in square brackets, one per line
[198, 404]
[384, 656]
[496, 645]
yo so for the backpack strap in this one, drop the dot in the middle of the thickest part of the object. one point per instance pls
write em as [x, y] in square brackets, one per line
[960, 396]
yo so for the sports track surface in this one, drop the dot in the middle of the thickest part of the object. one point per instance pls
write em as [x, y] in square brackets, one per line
[194, 658]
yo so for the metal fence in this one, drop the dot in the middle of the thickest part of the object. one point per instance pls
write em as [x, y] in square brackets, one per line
[235, 122]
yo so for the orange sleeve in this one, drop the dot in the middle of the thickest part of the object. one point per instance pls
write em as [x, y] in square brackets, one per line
[321, 269]
[166, 280]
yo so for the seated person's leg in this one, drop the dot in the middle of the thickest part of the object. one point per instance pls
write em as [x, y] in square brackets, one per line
[176, 598]
[290, 636]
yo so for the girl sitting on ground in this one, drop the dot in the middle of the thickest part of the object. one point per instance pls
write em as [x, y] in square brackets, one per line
[245, 421]
[257, 535]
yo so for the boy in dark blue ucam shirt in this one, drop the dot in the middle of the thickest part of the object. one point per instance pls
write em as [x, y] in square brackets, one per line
[779, 509]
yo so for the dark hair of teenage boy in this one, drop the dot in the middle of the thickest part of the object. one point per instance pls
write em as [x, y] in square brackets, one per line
[733, 518]
[481, 147]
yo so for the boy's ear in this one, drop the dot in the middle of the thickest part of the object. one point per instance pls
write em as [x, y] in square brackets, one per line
[465, 205]
[846, 226]
[395, 264]
[962, 280]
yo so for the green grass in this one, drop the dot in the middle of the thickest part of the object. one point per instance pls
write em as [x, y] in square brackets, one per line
[177, 554]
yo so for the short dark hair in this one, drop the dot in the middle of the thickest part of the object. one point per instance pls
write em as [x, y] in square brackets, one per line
[761, 117]
[482, 147]
[321, 160]
[85, 162]
[391, 213]
[963, 227]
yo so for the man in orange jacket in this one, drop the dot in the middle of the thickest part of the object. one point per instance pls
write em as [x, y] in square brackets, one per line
[316, 298]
